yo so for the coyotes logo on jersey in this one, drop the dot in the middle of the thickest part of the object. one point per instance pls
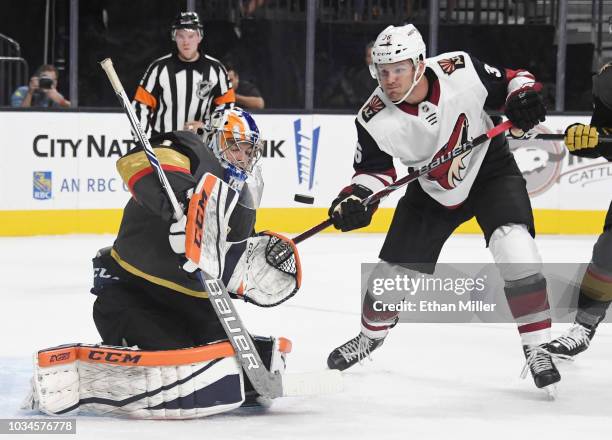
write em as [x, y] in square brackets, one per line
[372, 108]
[449, 65]
[450, 174]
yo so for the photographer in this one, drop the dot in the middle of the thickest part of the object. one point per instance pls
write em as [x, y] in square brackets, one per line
[41, 91]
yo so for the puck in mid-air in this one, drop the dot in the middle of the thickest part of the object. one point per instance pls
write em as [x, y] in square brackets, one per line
[303, 198]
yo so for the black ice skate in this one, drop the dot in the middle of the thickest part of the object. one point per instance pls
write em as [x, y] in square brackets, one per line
[574, 341]
[543, 370]
[353, 351]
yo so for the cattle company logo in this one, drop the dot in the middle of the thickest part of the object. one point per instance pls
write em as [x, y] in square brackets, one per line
[372, 108]
[449, 65]
[41, 184]
[539, 161]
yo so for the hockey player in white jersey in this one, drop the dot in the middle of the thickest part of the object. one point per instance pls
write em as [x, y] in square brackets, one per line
[422, 110]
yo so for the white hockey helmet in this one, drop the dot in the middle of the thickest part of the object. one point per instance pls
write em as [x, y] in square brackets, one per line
[397, 43]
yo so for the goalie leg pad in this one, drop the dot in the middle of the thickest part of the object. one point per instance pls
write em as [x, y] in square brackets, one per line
[117, 381]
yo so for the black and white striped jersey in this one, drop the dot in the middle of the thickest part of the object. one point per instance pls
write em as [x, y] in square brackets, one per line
[173, 92]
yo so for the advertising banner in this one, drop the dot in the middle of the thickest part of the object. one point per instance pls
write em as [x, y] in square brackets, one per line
[66, 161]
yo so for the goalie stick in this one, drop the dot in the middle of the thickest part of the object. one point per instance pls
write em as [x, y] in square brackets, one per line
[375, 197]
[266, 384]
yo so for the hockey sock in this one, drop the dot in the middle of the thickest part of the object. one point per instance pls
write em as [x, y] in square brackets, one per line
[595, 296]
[375, 323]
[528, 303]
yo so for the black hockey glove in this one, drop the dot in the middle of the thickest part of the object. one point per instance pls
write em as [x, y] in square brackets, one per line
[347, 212]
[525, 108]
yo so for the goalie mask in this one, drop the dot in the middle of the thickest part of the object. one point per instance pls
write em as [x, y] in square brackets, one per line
[236, 142]
[395, 44]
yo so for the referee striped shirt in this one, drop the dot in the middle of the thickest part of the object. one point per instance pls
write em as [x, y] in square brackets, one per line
[173, 92]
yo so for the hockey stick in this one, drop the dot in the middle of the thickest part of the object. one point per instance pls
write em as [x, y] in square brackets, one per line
[373, 198]
[266, 384]
[549, 137]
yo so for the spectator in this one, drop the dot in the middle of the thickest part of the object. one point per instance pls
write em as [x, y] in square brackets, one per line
[247, 94]
[41, 91]
[179, 91]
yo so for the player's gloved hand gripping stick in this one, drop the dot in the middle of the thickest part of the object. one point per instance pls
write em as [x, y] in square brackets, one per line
[264, 382]
[375, 197]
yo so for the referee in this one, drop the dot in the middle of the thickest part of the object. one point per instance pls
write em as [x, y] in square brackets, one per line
[180, 90]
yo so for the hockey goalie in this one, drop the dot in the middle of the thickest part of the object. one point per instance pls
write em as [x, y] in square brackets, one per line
[164, 353]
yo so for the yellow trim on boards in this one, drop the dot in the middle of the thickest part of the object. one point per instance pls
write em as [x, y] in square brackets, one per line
[290, 220]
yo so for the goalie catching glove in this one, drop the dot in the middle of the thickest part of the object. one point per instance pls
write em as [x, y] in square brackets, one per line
[269, 271]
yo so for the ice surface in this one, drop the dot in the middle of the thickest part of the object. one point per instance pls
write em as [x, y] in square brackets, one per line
[428, 381]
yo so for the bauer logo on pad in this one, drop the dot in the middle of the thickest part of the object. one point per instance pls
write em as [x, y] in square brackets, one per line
[41, 184]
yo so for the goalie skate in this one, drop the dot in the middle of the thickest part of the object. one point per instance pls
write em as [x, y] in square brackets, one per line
[353, 351]
[573, 342]
[543, 370]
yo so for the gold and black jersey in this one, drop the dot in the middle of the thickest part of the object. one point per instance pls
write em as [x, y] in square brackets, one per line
[142, 247]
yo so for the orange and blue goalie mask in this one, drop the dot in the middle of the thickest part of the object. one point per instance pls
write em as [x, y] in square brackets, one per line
[238, 142]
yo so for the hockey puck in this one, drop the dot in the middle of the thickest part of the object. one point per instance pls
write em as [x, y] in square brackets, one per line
[303, 198]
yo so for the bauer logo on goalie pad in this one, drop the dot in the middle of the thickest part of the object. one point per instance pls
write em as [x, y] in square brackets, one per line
[374, 106]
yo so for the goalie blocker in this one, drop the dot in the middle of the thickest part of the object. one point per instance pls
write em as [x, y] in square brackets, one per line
[166, 384]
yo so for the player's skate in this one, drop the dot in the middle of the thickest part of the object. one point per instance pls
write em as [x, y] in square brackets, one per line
[574, 341]
[353, 351]
[543, 370]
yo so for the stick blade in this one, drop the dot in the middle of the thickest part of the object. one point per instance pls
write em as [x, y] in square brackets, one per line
[312, 383]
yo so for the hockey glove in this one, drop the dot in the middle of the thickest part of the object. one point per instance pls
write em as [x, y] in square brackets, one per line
[580, 136]
[176, 237]
[347, 212]
[524, 107]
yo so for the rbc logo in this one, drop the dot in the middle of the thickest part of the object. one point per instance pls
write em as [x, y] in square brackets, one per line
[41, 184]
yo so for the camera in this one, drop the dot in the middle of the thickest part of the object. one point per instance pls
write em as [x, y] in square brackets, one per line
[45, 82]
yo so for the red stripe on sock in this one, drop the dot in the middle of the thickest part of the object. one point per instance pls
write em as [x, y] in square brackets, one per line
[374, 328]
[534, 326]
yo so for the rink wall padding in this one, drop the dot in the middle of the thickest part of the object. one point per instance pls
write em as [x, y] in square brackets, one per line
[289, 220]
[59, 175]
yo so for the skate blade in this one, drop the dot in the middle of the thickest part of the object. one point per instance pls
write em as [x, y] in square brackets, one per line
[551, 391]
[313, 383]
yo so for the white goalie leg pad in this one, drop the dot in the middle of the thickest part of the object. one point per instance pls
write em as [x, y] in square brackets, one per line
[269, 271]
[116, 381]
[514, 252]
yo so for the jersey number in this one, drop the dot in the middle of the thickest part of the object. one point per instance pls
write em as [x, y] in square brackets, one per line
[492, 71]
[358, 154]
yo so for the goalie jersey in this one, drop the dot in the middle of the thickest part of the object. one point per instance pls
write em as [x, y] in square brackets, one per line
[141, 247]
[460, 89]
